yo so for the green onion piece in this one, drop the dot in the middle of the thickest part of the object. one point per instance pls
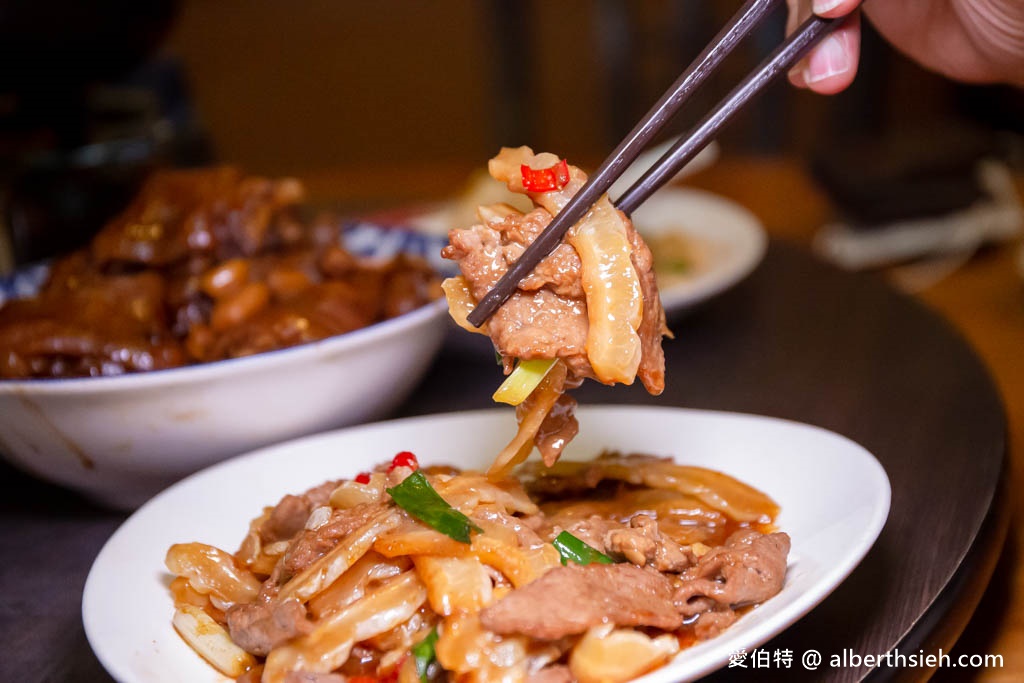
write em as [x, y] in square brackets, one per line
[572, 548]
[424, 655]
[416, 496]
[523, 380]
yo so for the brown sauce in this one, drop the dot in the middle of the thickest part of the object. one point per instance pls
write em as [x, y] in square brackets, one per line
[204, 265]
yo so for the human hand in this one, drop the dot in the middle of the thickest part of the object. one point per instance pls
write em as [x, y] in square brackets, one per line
[978, 41]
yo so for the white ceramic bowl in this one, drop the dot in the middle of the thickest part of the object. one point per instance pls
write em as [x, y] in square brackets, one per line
[119, 440]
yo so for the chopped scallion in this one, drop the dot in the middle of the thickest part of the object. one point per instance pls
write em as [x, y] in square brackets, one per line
[424, 655]
[523, 380]
[572, 548]
[416, 496]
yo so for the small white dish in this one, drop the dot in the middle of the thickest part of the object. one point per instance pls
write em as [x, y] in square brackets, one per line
[725, 243]
[834, 497]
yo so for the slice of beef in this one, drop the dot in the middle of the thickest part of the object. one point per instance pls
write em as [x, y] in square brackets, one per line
[652, 326]
[711, 623]
[559, 427]
[310, 545]
[260, 627]
[290, 514]
[568, 600]
[286, 519]
[546, 317]
[640, 542]
[748, 569]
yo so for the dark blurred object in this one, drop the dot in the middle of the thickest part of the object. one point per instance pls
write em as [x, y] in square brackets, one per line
[55, 45]
[926, 197]
[88, 107]
[924, 171]
[57, 201]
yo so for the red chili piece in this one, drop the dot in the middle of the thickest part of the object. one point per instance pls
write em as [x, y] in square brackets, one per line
[362, 478]
[404, 459]
[545, 179]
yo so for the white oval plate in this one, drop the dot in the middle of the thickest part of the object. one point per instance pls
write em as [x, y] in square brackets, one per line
[834, 497]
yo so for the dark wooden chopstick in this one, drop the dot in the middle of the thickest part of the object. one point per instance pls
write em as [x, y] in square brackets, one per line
[782, 59]
[690, 144]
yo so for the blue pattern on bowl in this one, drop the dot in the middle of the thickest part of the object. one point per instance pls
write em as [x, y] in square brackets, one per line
[360, 237]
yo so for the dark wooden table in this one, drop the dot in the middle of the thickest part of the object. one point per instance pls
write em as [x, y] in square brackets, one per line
[797, 340]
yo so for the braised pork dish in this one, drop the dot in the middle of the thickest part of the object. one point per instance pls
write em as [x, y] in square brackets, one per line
[203, 265]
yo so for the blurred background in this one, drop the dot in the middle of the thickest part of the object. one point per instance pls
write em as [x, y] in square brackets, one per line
[93, 95]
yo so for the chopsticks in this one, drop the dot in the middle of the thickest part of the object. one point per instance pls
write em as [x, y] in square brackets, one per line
[751, 15]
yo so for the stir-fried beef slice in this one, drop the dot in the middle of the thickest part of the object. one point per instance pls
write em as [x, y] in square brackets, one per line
[559, 427]
[259, 627]
[290, 514]
[640, 542]
[652, 326]
[486, 251]
[312, 544]
[556, 673]
[568, 600]
[287, 519]
[711, 623]
[749, 568]
[593, 531]
[546, 316]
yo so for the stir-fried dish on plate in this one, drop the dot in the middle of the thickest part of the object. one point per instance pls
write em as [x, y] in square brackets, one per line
[542, 572]
[586, 571]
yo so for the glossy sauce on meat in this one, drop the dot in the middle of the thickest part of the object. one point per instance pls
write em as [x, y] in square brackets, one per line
[203, 265]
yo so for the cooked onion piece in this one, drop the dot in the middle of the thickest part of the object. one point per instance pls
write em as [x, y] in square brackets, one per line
[354, 583]
[454, 583]
[609, 655]
[329, 644]
[461, 303]
[212, 571]
[475, 654]
[212, 641]
[614, 301]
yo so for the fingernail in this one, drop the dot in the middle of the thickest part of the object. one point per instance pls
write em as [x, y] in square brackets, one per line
[827, 60]
[822, 6]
